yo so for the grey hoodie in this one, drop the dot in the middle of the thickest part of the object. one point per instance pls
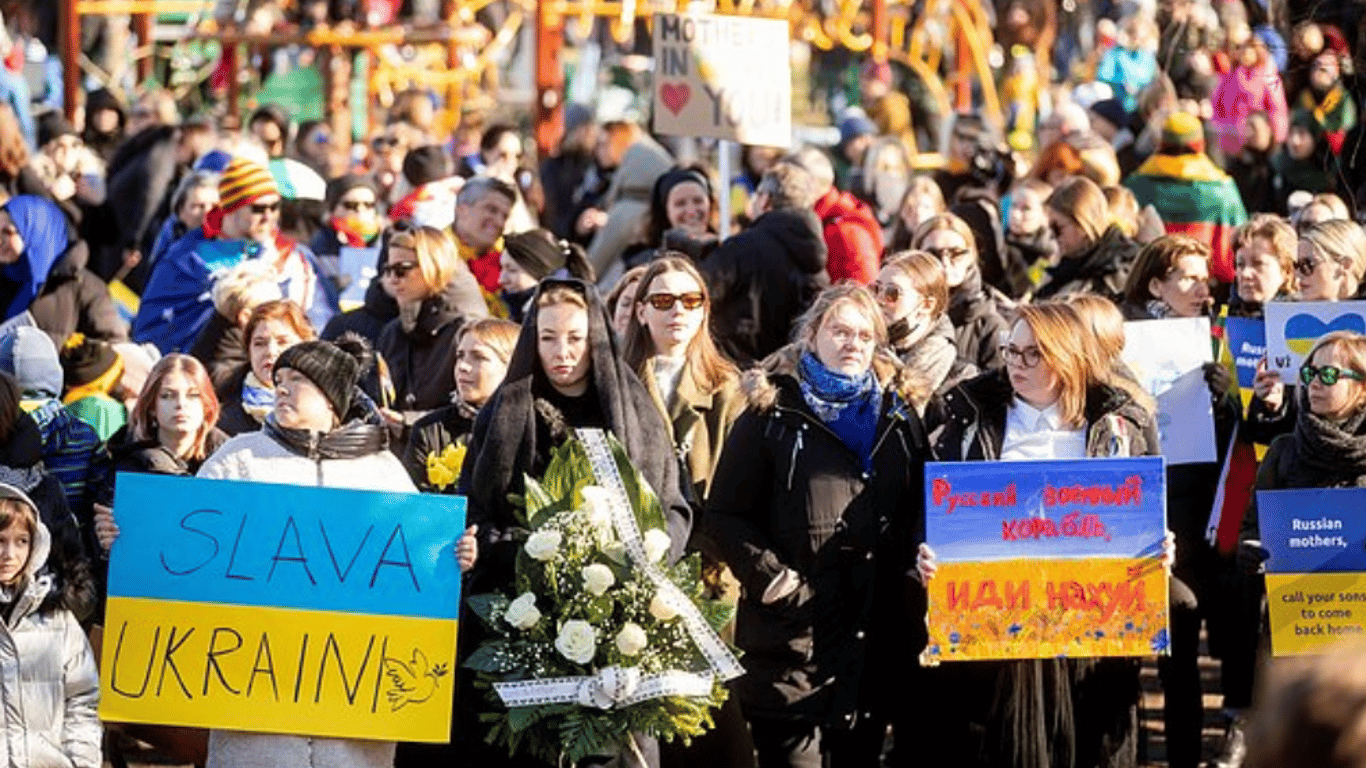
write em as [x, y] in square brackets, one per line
[28, 354]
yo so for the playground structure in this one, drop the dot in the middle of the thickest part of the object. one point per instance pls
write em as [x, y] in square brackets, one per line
[458, 59]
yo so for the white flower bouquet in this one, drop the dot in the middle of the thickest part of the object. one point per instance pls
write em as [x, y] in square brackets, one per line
[600, 638]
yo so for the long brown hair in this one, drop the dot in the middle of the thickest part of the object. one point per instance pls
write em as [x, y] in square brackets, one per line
[1106, 324]
[1061, 337]
[143, 418]
[705, 364]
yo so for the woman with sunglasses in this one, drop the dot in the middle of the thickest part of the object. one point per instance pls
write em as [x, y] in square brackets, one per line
[1094, 255]
[1330, 260]
[353, 219]
[977, 323]
[436, 295]
[815, 503]
[1054, 400]
[913, 294]
[697, 391]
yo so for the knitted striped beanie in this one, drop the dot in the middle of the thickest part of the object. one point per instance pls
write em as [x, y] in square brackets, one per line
[242, 183]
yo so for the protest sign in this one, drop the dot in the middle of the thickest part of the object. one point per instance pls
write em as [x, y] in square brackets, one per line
[1039, 559]
[358, 267]
[1167, 357]
[1316, 575]
[723, 77]
[1293, 327]
[21, 320]
[1247, 344]
[282, 609]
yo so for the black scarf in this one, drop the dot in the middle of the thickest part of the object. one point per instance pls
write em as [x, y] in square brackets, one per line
[363, 434]
[1328, 451]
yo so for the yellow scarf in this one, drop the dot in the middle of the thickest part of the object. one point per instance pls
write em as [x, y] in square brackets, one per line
[1322, 109]
[1193, 167]
[100, 386]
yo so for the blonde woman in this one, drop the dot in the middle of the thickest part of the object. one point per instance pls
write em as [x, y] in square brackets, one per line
[436, 295]
[977, 322]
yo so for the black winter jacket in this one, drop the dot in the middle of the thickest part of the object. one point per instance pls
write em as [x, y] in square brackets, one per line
[421, 359]
[73, 299]
[1101, 269]
[762, 279]
[789, 493]
[221, 348]
[139, 177]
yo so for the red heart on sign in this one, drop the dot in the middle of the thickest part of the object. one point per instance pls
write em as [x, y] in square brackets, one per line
[675, 97]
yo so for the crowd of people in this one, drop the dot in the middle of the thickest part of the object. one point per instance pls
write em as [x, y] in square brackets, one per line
[183, 299]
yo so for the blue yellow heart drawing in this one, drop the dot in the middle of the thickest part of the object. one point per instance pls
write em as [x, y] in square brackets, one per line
[1302, 331]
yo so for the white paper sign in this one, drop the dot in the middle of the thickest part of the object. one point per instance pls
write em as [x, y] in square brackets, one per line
[1167, 358]
[357, 264]
[1293, 327]
[723, 77]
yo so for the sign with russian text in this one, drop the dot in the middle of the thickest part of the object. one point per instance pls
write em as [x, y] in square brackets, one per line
[1167, 358]
[723, 77]
[1316, 575]
[1039, 559]
[1294, 327]
[282, 609]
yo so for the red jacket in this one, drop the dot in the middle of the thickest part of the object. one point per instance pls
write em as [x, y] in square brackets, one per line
[852, 236]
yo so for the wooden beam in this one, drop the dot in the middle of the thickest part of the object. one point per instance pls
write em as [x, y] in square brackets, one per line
[549, 106]
[69, 27]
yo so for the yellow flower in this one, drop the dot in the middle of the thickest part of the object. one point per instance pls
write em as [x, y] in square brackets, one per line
[443, 469]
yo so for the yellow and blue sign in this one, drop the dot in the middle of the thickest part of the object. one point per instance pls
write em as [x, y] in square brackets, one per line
[1316, 575]
[282, 609]
[1040, 559]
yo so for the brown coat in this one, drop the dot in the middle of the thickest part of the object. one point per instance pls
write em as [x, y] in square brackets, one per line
[698, 423]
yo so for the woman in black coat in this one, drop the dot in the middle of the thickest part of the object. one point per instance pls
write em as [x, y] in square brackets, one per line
[815, 504]
[1052, 401]
[977, 323]
[436, 295]
[565, 373]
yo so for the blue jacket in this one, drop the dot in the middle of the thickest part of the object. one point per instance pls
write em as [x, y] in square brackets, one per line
[178, 301]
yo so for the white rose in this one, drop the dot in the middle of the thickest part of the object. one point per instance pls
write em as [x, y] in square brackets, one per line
[522, 613]
[577, 641]
[631, 639]
[597, 506]
[615, 551]
[657, 543]
[662, 609]
[543, 545]
[597, 578]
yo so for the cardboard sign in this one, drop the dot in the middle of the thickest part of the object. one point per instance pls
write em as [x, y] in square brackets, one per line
[1247, 343]
[282, 609]
[1316, 575]
[1167, 357]
[1039, 559]
[1292, 329]
[723, 77]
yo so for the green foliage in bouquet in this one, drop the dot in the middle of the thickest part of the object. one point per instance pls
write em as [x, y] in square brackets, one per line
[581, 606]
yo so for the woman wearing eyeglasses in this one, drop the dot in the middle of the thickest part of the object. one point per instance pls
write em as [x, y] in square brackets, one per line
[815, 503]
[913, 294]
[353, 219]
[977, 323]
[436, 294]
[1054, 400]
[1330, 260]
[697, 391]
[1094, 255]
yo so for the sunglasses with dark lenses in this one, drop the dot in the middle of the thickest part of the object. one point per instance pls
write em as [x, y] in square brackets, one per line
[948, 254]
[358, 205]
[665, 301]
[1306, 267]
[1327, 374]
[383, 142]
[399, 269]
[887, 292]
[261, 209]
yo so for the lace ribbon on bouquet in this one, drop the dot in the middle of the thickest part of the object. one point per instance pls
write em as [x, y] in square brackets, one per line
[617, 686]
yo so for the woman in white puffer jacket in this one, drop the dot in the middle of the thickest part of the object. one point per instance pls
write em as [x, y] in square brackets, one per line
[49, 688]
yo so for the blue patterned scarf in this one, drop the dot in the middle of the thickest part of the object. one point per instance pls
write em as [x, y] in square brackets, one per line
[847, 404]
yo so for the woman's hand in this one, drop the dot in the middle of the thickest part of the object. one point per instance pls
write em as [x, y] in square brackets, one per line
[1169, 552]
[467, 549]
[926, 564]
[106, 530]
[1268, 387]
